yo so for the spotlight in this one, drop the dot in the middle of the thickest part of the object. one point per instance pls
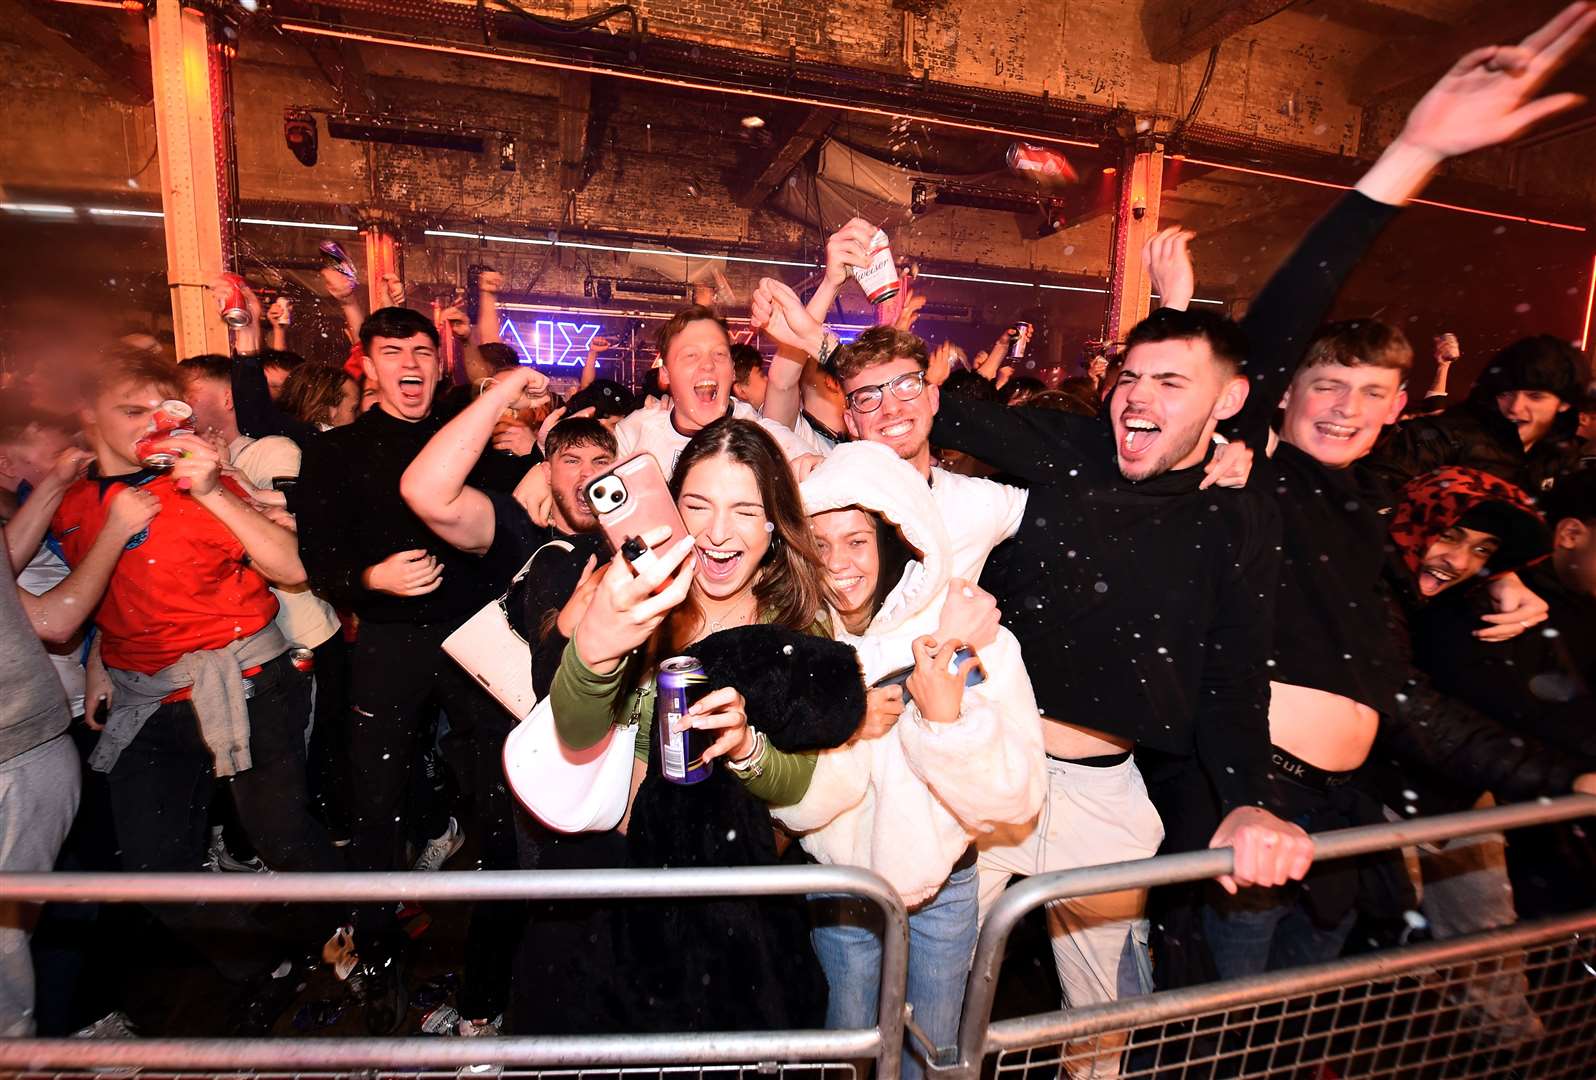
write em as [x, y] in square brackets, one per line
[1052, 221]
[299, 132]
[507, 155]
[753, 121]
[1109, 170]
[918, 198]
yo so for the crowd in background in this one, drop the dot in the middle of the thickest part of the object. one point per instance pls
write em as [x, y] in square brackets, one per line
[1231, 586]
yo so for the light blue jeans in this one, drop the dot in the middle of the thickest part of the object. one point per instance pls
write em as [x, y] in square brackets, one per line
[942, 932]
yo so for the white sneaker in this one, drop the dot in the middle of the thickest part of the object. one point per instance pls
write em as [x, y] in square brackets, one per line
[440, 849]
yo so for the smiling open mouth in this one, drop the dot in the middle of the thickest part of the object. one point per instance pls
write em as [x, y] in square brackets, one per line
[1439, 577]
[1335, 431]
[718, 564]
[1140, 434]
[897, 429]
[707, 391]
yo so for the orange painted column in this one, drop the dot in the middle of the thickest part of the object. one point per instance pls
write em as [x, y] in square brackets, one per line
[1136, 210]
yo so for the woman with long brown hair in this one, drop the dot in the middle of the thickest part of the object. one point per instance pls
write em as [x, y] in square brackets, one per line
[744, 593]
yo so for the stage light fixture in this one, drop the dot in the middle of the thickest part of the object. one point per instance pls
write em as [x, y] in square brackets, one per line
[507, 155]
[299, 132]
[753, 122]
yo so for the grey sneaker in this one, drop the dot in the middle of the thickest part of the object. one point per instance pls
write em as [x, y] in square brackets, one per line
[220, 859]
[113, 1025]
[440, 849]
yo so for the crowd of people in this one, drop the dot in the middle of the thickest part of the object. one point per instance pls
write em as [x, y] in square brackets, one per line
[956, 628]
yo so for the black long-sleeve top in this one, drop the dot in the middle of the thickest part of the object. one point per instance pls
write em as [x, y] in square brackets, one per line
[1144, 610]
[1330, 626]
[352, 517]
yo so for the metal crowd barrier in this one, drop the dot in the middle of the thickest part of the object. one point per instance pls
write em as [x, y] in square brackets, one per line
[788, 1055]
[1416, 1011]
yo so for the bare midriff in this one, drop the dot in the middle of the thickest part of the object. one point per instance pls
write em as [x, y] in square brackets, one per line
[1072, 741]
[1326, 730]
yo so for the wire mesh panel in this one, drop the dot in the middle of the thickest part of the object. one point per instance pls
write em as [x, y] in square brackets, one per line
[1506, 1011]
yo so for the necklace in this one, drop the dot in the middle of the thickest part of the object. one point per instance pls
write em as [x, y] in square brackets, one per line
[714, 625]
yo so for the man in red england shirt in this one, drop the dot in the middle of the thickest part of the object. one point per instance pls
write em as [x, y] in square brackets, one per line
[202, 686]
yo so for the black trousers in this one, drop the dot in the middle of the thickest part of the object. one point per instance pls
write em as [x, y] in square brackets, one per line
[161, 789]
[330, 777]
[399, 679]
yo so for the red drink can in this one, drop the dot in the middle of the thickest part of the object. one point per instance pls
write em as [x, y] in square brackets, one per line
[1041, 161]
[231, 299]
[880, 279]
[1020, 341]
[302, 659]
[171, 418]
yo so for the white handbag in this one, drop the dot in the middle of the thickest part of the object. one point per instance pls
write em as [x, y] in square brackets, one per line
[493, 654]
[570, 791]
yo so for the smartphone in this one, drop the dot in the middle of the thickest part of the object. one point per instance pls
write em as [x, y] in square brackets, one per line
[900, 677]
[630, 500]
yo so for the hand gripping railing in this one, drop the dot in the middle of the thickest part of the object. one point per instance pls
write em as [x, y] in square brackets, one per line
[606, 1052]
[979, 1037]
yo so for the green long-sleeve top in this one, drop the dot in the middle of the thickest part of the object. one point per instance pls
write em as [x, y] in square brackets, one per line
[586, 705]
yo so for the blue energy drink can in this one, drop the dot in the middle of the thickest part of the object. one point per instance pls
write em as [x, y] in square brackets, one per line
[681, 681]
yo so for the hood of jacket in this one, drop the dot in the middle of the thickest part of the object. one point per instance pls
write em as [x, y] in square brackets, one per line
[869, 476]
[1435, 502]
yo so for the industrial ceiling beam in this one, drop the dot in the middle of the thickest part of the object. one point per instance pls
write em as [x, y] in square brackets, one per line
[1177, 30]
[90, 48]
[576, 105]
[784, 156]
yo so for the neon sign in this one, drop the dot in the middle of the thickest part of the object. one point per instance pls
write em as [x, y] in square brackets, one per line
[553, 342]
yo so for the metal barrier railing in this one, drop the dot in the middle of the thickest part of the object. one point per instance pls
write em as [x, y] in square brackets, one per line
[1399, 1012]
[816, 1055]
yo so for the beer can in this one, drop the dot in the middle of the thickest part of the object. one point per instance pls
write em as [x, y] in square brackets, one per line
[1020, 341]
[171, 418]
[334, 258]
[680, 682]
[302, 659]
[1044, 162]
[231, 299]
[880, 279]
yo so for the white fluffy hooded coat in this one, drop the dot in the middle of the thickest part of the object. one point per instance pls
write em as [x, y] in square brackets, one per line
[909, 803]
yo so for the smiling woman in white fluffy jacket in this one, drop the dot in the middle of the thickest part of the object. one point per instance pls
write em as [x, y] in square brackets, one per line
[908, 799]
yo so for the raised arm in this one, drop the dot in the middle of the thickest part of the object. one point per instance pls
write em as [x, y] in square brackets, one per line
[1031, 444]
[25, 531]
[1487, 98]
[434, 486]
[58, 614]
[797, 323]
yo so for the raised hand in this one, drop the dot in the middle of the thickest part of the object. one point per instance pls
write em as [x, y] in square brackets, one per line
[970, 614]
[629, 605]
[405, 573]
[776, 310]
[489, 282]
[281, 313]
[724, 711]
[1167, 257]
[1488, 97]
[394, 290]
[937, 686]
[848, 247]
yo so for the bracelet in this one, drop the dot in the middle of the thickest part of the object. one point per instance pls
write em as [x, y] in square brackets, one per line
[751, 767]
[829, 344]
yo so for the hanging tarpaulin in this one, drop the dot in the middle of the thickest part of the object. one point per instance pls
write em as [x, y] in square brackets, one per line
[847, 184]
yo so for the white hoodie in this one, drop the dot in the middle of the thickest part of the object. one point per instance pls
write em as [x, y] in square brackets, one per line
[654, 431]
[909, 803]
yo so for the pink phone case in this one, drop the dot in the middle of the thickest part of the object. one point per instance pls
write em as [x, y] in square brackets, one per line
[644, 504]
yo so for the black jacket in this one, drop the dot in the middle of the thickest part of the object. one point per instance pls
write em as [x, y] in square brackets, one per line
[352, 517]
[1475, 434]
[1437, 751]
[1144, 609]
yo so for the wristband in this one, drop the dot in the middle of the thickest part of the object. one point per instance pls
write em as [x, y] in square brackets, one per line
[753, 766]
[829, 344]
